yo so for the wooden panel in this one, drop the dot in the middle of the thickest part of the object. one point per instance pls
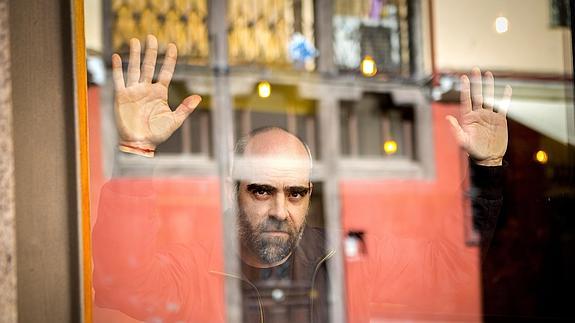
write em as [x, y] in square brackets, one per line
[45, 159]
[7, 234]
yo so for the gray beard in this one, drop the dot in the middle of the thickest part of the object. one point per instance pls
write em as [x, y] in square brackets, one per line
[269, 250]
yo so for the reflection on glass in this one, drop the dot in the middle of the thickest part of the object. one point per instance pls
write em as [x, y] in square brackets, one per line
[285, 109]
[179, 21]
[386, 128]
[155, 274]
[260, 31]
[377, 29]
[352, 197]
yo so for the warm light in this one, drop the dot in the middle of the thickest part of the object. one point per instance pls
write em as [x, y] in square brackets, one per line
[541, 157]
[264, 89]
[368, 67]
[501, 25]
[390, 147]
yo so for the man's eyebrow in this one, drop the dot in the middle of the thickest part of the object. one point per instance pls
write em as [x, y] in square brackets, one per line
[263, 187]
[303, 190]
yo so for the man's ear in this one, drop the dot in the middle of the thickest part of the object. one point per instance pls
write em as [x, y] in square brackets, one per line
[310, 187]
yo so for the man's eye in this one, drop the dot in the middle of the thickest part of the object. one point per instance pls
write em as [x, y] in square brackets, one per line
[296, 195]
[260, 193]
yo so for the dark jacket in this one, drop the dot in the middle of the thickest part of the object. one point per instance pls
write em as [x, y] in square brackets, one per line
[295, 291]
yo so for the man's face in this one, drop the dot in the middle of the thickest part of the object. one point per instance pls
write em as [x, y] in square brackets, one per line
[273, 199]
[272, 217]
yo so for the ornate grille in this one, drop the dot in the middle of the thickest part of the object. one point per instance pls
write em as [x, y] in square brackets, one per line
[260, 30]
[183, 22]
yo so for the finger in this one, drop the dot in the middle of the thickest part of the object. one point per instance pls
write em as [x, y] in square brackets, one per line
[134, 63]
[506, 101]
[169, 65]
[465, 95]
[489, 97]
[149, 59]
[117, 73]
[460, 135]
[476, 89]
[186, 107]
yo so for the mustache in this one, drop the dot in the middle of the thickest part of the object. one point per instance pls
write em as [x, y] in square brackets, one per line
[273, 224]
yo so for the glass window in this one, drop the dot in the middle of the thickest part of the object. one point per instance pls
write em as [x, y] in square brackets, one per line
[386, 129]
[378, 30]
[283, 108]
[560, 13]
[261, 32]
[181, 22]
[396, 183]
[194, 136]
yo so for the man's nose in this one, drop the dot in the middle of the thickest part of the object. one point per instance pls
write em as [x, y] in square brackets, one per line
[279, 208]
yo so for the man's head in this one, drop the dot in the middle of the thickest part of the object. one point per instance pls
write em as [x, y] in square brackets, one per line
[273, 193]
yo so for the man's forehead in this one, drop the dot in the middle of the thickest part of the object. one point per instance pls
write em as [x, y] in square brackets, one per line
[279, 187]
[272, 170]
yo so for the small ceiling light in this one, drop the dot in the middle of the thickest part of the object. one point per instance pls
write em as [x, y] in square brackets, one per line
[264, 89]
[390, 147]
[541, 157]
[501, 25]
[368, 67]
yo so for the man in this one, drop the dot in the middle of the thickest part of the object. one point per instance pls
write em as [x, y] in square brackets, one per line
[179, 283]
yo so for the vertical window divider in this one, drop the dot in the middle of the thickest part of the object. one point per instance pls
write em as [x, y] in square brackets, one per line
[246, 121]
[407, 129]
[186, 137]
[310, 134]
[353, 130]
[291, 119]
[385, 128]
[205, 133]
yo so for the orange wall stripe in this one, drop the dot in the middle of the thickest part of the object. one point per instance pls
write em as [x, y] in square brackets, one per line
[82, 146]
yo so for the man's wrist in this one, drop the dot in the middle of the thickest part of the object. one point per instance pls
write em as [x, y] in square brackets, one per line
[141, 149]
[489, 162]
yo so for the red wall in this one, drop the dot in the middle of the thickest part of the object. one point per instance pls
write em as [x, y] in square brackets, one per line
[421, 218]
[190, 207]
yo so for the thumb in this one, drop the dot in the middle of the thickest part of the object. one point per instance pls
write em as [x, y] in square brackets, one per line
[458, 132]
[186, 107]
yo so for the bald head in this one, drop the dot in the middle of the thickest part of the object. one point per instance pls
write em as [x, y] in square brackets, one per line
[276, 146]
[274, 141]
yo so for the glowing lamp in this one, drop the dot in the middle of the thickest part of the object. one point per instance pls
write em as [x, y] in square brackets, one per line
[541, 157]
[368, 67]
[264, 89]
[390, 147]
[501, 25]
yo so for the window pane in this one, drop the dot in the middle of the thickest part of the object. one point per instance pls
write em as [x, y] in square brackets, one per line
[261, 32]
[378, 29]
[180, 22]
[414, 205]
[386, 129]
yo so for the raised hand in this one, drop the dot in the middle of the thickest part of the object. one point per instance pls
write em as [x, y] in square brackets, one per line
[481, 130]
[143, 117]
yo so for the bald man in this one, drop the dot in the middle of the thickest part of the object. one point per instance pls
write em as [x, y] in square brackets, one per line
[278, 252]
[272, 201]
